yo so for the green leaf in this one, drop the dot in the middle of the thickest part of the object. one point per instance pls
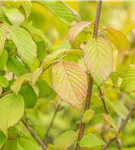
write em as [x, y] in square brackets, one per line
[3, 59]
[3, 36]
[118, 107]
[118, 38]
[128, 83]
[29, 96]
[14, 16]
[12, 145]
[3, 81]
[3, 139]
[26, 144]
[26, 47]
[11, 111]
[90, 141]
[61, 10]
[16, 66]
[65, 140]
[70, 83]
[27, 7]
[87, 116]
[15, 87]
[99, 59]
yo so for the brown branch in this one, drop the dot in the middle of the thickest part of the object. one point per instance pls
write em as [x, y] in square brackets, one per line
[107, 112]
[58, 108]
[120, 128]
[34, 134]
[90, 83]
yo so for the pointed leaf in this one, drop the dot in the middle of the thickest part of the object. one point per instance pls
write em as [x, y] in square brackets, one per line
[90, 141]
[62, 11]
[3, 36]
[118, 38]
[65, 140]
[128, 84]
[3, 81]
[99, 59]
[14, 16]
[70, 82]
[25, 45]
[15, 87]
[11, 111]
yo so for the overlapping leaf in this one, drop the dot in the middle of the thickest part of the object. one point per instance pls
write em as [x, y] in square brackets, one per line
[26, 47]
[3, 59]
[14, 16]
[62, 11]
[70, 82]
[128, 84]
[99, 59]
[11, 111]
[118, 38]
[3, 36]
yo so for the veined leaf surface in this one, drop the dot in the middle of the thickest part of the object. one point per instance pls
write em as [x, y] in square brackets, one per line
[3, 34]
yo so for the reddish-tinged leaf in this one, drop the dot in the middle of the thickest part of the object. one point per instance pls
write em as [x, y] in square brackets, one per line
[70, 82]
[77, 29]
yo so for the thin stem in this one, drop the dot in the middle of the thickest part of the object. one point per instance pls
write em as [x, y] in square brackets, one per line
[98, 12]
[120, 128]
[87, 106]
[34, 134]
[90, 83]
[107, 112]
[52, 121]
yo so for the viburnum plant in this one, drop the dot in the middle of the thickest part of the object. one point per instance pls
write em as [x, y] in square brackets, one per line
[24, 65]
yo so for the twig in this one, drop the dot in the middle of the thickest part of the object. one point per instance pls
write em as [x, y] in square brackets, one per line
[52, 121]
[72, 11]
[120, 128]
[90, 83]
[34, 134]
[107, 112]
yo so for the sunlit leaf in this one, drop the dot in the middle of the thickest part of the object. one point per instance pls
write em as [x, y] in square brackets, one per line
[90, 141]
[61, 10]
[87, 116]
[128, 84]
[27, 7]
[11, 111]
[26, 47]
[70, 82]
[118, 38]
[15, 87]
[99, 59]
[65, 140]
[14, 16]
[3, 36]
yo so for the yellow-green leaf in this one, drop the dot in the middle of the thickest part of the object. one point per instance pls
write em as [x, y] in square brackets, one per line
[99, 59]
[70, 82]
[87, 116]
[11, 111]
[3, 36]
[118, 38]
[128, 84]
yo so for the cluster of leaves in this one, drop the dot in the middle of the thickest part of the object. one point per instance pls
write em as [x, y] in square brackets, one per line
[34, 72]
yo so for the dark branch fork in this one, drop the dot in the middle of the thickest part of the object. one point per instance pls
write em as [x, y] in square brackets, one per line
[90, 83]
